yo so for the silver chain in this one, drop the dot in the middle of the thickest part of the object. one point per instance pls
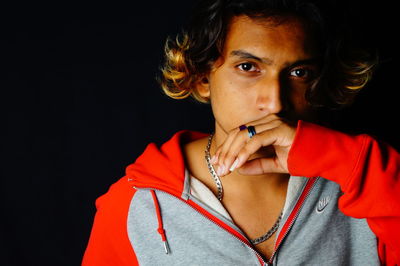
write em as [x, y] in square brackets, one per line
[218, 183]
[267, 235]
[212, 171]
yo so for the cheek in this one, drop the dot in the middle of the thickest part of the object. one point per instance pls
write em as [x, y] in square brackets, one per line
[228, 104]
[228, 87]
[297, 98]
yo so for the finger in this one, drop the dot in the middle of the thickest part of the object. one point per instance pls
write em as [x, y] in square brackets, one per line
[226, 153]
[268, 126]
[223, 148]
[261, 166]
[229, 156]
[265, 138]
[242, 138]
[264, 120]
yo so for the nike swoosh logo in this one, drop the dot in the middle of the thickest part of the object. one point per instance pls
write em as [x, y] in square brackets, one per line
[322, 204]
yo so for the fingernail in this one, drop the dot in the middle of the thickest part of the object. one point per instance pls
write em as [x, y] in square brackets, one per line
[213, 159]
[221, 170]
[235, 163]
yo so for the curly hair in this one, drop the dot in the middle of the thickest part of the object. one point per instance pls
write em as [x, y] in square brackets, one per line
[345, 69]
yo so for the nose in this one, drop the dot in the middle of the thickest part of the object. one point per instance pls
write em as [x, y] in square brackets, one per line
[269, 96]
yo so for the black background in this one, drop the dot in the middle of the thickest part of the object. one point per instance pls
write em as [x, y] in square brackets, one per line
[80, 102]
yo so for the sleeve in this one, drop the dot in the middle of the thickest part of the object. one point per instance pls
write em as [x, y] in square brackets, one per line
[109, 244]
[368, 172]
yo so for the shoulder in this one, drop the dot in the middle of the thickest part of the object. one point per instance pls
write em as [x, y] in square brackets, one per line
[109, 240]
[119, 193]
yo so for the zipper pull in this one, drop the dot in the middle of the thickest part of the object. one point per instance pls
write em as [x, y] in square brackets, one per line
[166, 247]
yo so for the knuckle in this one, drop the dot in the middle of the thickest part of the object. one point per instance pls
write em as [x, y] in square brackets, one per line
[245, 135]
[255, 139]
[233, 131]
[229, 154]
[258, 140]
[244, 150]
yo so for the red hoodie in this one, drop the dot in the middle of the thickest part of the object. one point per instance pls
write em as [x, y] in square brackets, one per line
[368, 172]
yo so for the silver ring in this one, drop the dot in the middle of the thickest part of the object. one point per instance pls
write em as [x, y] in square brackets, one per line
[251, 130]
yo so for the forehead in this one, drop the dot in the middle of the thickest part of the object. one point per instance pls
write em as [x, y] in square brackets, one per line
[289, 37]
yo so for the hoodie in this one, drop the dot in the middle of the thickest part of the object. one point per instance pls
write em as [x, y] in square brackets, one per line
[344, 209]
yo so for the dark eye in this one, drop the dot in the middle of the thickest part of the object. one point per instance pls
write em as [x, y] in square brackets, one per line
[300, 73]
[246, 67]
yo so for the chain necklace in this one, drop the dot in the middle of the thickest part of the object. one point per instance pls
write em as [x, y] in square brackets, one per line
[268, 234]
[212, 171]
[218, 183]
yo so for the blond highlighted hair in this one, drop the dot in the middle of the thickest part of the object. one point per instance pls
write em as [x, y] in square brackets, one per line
[345, 70]
[178, 81]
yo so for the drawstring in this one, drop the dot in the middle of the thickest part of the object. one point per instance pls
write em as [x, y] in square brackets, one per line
[160, 222]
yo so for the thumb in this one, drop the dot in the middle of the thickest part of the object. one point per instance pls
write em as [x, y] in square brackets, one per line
[261, 166]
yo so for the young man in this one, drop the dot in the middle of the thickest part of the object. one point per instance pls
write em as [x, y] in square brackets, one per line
[273, 186]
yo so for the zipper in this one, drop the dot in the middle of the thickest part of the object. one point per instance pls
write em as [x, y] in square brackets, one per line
[261, 260]
[308, 188]
[243, 242]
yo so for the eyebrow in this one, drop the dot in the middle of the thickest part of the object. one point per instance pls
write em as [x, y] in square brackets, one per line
[246, 55]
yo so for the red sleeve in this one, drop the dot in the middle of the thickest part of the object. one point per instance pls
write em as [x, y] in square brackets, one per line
[109, 244]
[368, 172]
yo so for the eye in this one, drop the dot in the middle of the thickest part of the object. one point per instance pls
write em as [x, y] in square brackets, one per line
[301, 73]
[248, 67]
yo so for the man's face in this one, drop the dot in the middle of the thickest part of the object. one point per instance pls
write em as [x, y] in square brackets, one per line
[264, 68]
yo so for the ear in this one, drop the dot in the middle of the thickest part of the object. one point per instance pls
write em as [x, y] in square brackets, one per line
[203, 87]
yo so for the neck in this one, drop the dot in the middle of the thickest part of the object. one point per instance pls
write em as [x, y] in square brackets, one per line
[254, 185]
